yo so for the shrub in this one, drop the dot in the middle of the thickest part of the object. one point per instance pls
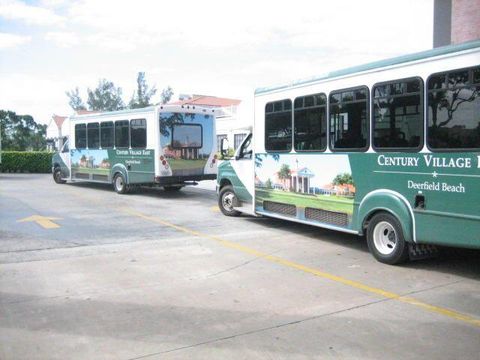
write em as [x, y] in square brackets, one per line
[26, 161]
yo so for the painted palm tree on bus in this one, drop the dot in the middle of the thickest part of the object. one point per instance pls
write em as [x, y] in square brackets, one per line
[167, 122]
[284, 175]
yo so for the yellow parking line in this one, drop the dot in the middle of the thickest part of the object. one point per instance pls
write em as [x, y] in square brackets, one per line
[355, 284]
[215, 208]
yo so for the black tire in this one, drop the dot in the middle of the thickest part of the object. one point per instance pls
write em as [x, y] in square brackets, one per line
[119, 184]
[226, 200]
[385, 239]
[57, 176]
[172, 188]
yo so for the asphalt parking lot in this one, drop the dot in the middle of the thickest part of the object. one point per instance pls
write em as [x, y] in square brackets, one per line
[89, 274]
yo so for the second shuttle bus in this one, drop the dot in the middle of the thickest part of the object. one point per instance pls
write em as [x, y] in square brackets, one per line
[389, 149]
[169, 146]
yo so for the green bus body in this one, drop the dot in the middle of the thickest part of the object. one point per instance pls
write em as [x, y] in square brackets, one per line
[434, 193]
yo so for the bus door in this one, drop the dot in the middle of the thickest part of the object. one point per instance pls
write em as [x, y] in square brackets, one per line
[244, 168]
[66, 160]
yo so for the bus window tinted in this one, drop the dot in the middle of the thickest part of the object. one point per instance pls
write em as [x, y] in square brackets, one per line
[398, 115]
[187, 136]
[310, 123]
[138, 133]
[121, 134]
[80, 136]
[349, 120]
[106, 135]
[278, 126]
[93, 136]
[453, 108]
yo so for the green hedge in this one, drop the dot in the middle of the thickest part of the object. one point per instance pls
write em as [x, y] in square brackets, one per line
[26, 161]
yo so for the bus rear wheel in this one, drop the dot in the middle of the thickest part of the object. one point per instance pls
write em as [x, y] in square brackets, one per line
[57, 176]
[226, 200]
[119, 184]
[385, 239]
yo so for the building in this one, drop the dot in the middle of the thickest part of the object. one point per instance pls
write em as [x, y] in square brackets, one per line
[455, 21]
[57, 132]
[297, 181]
[232, 124]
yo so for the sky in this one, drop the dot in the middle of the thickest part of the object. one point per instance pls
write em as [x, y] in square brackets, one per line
[209, 47]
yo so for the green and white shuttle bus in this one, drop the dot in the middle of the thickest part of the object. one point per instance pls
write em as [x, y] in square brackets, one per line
[168, 146]
[389, 149]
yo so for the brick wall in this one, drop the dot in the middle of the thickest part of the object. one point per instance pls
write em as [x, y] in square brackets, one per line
[465, 20]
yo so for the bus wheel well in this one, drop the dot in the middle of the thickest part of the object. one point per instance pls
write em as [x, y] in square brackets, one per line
[224, 182]
[115, 173]
[369, 217]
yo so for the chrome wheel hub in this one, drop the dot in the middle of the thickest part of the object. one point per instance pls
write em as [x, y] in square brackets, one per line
[119, 183]
[385, 238]
[228, 201]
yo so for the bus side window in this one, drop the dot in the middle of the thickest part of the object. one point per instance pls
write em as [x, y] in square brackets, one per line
[453, 108]
[80, 136]
[398, 115]
[65, 148]
[246, 149]
[278, 126]
[310, 123]
[93, 136]
[106, 135]
[138, 133]
[122, 138]
[349, 121]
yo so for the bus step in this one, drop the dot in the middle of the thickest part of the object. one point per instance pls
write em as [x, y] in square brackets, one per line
[422, 251]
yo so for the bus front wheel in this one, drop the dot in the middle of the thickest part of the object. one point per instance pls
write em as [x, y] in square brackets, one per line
[119, 184]
[226, 200]
[385, 239]
[57, 176]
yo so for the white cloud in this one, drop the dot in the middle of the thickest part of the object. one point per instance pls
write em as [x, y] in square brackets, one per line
[63, 39]
[35, 95]
[12, 40]
[17, 10]
[209, 47]
[52, 3]
[215, 24]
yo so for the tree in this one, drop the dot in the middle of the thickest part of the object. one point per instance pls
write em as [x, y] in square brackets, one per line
[342, 179]
[166, 95]
[76, 101]
[268, 184]
[21, 132]
[106, 97]
[284, 172]
[167, 122]
[141, 97]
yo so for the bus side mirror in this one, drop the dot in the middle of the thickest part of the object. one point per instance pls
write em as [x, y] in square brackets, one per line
[224, 147]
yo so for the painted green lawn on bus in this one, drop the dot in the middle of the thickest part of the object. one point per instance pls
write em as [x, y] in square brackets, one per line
[96, 171]
[325, 202]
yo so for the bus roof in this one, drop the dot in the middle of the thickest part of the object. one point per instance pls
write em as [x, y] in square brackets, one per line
[162, 108]
[445, 50]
